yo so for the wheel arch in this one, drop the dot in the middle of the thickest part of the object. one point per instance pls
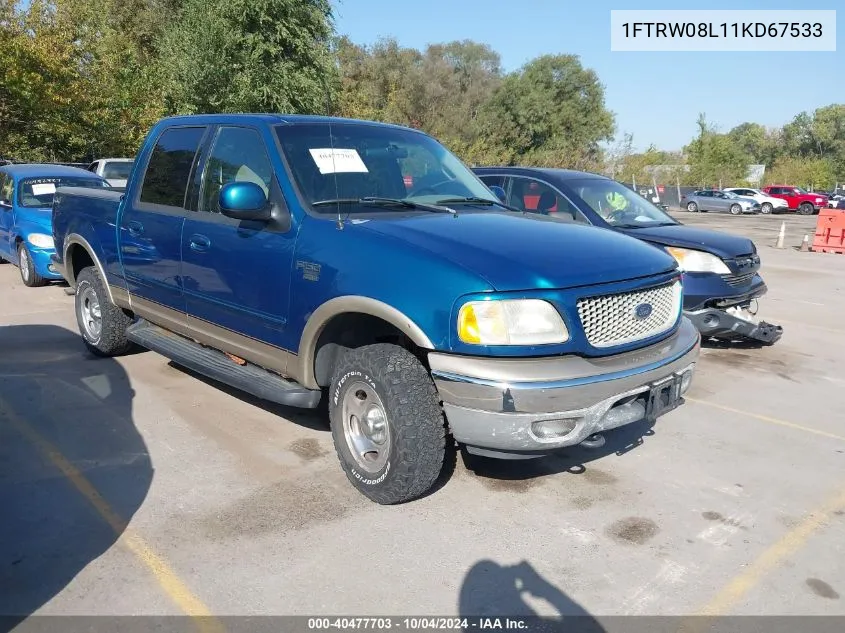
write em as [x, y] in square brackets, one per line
[78, 254]
[349, 307]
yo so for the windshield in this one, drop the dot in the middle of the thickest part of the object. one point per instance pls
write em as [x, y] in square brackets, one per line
[349, 161]
[618, 205]
[730, 194]
[118, 170]
[36, 193]
[799, 190]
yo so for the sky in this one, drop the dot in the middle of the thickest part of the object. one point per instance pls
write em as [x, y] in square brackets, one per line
[656, 96]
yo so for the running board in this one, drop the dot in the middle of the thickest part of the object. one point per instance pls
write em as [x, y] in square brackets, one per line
[218, 366]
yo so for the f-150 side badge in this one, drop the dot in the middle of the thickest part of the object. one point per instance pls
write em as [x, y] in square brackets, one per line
[310, 271]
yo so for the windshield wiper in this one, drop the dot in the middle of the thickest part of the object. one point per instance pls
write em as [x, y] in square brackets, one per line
[642, 226]
[476, 200]
[385, 202]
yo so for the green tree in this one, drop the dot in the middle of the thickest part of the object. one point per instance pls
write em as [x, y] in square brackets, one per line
[249, 56]
[551, 112]
[802, 172]
[715, 157]
[829, 131]
[379, 83]
[43, 91]
[762, 146]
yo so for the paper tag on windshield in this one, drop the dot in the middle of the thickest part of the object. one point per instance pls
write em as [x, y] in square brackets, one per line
[43, 188]
[338, 161]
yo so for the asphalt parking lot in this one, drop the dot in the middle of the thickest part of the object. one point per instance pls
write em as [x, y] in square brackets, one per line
[131, 487]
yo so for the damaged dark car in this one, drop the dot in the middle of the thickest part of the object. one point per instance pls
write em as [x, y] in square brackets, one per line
[722, 281]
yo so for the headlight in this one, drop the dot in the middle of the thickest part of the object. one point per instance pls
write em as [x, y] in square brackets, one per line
[692, 261]
[41, 240]
[819, 200]
[511, 322]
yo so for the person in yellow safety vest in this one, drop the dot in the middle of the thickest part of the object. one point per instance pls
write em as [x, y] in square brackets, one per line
[616, 201]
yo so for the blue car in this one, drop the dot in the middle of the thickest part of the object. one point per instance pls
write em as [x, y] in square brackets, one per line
[26, 201]
[721, 272]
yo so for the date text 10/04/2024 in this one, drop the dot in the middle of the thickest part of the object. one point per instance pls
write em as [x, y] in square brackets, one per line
[419, 623]
[724, 30]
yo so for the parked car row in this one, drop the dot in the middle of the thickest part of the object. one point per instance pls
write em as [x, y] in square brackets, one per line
[26, 201]
[511, 311]
[739, 200]
[723, 201]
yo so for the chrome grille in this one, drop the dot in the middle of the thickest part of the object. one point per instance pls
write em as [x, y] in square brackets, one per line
[612, 319]
[738, 280]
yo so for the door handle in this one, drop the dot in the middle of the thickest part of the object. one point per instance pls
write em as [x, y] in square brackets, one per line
[200, 243]
[135, 228]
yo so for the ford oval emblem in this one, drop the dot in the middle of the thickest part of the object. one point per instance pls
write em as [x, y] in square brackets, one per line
[643, 311]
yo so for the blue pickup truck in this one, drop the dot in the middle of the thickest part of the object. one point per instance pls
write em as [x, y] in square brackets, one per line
[297, 257]
[721, 272]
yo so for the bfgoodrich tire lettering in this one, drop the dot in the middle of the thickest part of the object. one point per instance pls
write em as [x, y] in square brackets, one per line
[108, 336]
[415, 433]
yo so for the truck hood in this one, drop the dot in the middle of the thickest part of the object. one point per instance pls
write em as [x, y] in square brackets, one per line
[720, 244]
[515, 252]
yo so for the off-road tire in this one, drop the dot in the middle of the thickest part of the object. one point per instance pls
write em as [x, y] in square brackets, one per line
[114, 321]
[692, 207]
[417, 444]
[805, 208]
[766, 208]
[29, 276]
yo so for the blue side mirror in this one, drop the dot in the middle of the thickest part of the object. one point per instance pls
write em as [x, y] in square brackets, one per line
[244, 201]
[500, 193]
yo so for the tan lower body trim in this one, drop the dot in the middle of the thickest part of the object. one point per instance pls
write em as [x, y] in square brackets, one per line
[267, 356]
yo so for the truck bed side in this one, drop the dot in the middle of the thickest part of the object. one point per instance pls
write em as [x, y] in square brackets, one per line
[85, 219]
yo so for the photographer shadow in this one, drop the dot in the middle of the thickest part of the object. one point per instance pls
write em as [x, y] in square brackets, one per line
[73, 467]
[491, 590]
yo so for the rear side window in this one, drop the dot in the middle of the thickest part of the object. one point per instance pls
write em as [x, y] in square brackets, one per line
[169, 169]
[493, 181]
[119, 170]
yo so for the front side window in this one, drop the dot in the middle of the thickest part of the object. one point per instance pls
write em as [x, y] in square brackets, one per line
[169, 169]
[345, 162]
[618, 205]
[238, 155]
[535, 196]
[37, 193]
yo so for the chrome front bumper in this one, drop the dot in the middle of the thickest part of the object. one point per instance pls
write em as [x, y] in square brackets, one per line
[519, 405]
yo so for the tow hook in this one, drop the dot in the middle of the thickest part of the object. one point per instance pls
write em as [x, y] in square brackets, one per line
[596, 440]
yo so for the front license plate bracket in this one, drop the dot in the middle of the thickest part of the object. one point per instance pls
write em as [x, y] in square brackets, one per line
[663, 397]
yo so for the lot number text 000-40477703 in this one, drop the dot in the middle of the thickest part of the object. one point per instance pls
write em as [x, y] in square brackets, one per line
[723, 30]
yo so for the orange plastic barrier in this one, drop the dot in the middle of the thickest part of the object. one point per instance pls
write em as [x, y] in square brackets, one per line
[830, 232]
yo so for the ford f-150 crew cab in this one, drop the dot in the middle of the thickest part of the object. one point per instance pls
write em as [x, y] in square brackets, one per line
[289, 257]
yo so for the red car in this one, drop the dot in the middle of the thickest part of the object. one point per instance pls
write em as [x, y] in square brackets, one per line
[798, 199]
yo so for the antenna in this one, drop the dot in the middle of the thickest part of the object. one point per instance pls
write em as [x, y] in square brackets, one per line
[329, 113]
